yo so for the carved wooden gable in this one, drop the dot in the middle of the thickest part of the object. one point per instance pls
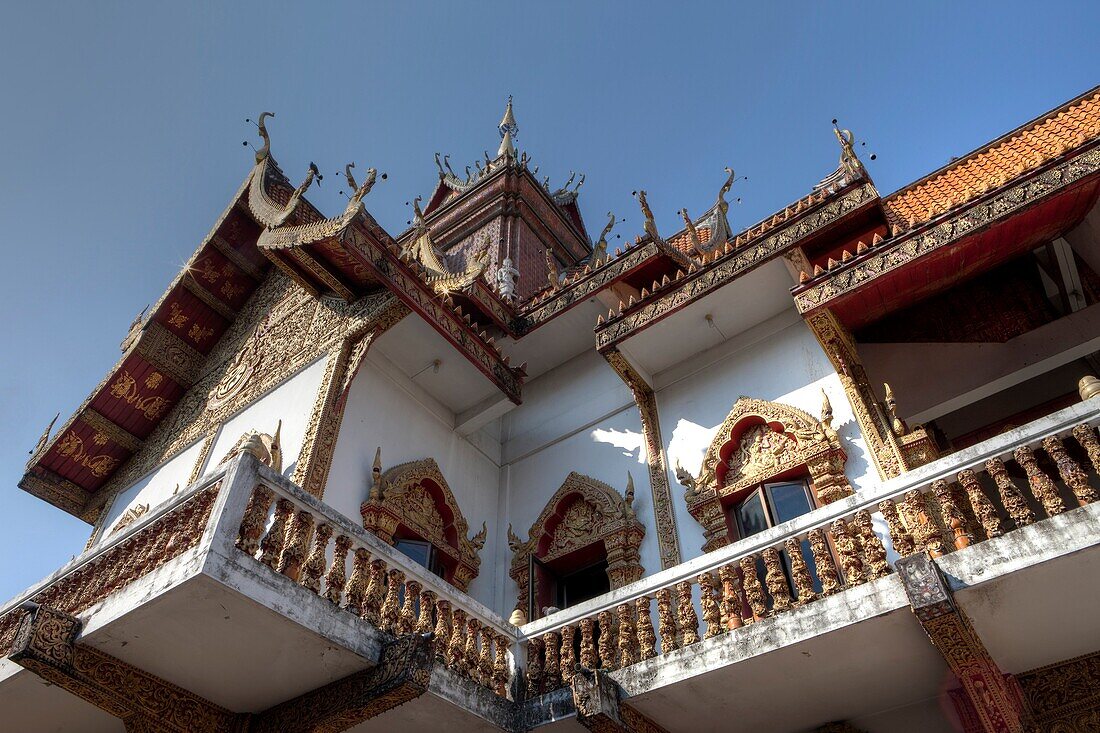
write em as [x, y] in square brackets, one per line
[760, 441]
[414, 497]
[583, 512]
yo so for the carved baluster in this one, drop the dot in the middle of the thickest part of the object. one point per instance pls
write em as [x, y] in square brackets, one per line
[776, 580]
[606, 642]
[823, 560]
[1085, 435]
[952, 515]
[1072, 474]
[588, 643]
[874, 552]
[552, 671]
[534, 668]
[406, 620]
[376, 592]
[849, 554]
[754, 592]
[443, 629]
[500, 673]
[685, 614]
[730, 605]
[899, 535]
[568, 654]
[255, 517]
[800, 572]
[314, 566]
[294, 549]
[980, 503]
[485, 658]
[472, 629]
[647, 638]
[1011, 496]
[628, 635]
[456, 649]
[356, 586]
[424, 621]
[925, 533]
[712, 613]
[666, 622]
[1041, 485]
[391, 607]
[272, 545]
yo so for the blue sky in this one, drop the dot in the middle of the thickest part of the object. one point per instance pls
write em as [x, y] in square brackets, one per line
[121, 131]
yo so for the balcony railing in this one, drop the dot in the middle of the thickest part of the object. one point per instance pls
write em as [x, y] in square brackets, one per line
[826, 551]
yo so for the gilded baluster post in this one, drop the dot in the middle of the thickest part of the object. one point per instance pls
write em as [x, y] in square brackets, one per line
[534, 668]
[471, 652]
[424, 621]
[1041, 485]
[355, 589]
[606, 643]
[754, 591]
[297, 542]
[800, 572]
[874, 552]
[391, 607]
[666, 622]
[255, 517]
[500, 674]
[712, 612]
[589, 660]
[899, 535]
[925, 533]
[568, 654]
[849, 554]
[776, 580]
[443, 629]
[272, 545]
[730, 605]
[552, 671]
[1072, 474]
[980, 503]
[628, 635]
[823, 560]
[485, 658]
[1013, 499]
[375, 593]
[647, 637]
[686, 617]
[952, 515]
[1085, 435]
[456, 649]
[406, 620]
[314, 566]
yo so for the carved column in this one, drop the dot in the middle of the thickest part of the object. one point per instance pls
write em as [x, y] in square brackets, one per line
[471, 652]
[953, 635]
[589, 660]
[568, 653]
[443, 629]
[874, 553]
[647, 637]
[456, 648]
[1085, 435]
[730, 605]
[255, 516]
[1014, 501]
[1072, 475]
[606, 643]
[776, 580]
[980, 503]
[387, 618]
[952, 515]
[356, 587]
[712, 612]
[666, 622]
[501, 673]
[899, 535]
[534, 668]
[424, 620]
[375, 592]
[1041, 485]
[294, 550]
[272, 545]
[754, 592]
[552, 671]
[406, 619]
[800, 572]
[628, 635]
[922, 526]
[314, 567]
[849, 554]
[823, 560]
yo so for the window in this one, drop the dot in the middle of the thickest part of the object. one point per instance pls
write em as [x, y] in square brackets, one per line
[422, 553]
[562, 585]
[773, 504]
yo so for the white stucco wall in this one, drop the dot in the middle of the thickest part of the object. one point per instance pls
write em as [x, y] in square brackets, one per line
[381, 412]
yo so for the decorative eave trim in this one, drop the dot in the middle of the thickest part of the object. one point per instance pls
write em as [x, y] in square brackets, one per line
[947, 229]
[213, 302]
[56, 490]
[689, 287]
[116, 434]
[239, 261]
[171, 355]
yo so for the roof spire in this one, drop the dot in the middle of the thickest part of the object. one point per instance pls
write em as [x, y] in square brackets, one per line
[509, 130]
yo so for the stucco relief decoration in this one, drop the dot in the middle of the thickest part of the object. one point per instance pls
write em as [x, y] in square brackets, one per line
[581, 513]
[267, 448]
[761, 441]
[414, 498]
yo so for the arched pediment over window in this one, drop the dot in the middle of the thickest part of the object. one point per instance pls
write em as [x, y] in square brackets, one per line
[413, 500]
[584, 516]
[762, 441]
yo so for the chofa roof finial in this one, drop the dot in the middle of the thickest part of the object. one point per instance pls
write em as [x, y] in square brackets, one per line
[509, 130]
[264, 151]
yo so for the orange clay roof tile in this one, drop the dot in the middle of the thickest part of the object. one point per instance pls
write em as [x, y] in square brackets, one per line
[1031, 147]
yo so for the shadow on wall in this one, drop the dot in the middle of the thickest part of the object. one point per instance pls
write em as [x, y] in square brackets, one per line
[631, 442]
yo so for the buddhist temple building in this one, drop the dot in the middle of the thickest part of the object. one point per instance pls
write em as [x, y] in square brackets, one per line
[832, 471]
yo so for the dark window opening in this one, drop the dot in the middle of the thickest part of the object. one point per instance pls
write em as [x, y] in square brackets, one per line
[561, 584]
[423, 554]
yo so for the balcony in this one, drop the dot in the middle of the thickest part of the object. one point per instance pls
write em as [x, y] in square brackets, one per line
[248, 592]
